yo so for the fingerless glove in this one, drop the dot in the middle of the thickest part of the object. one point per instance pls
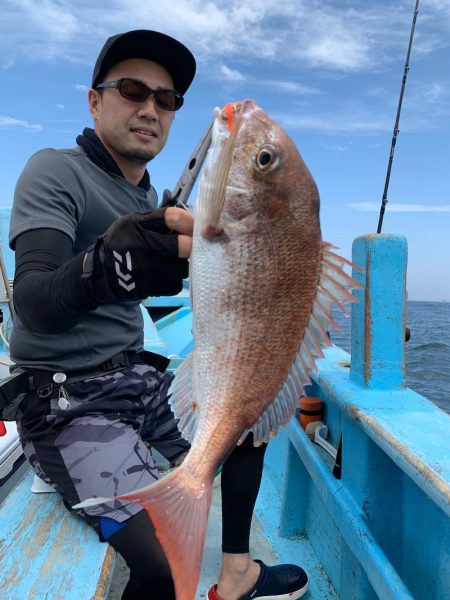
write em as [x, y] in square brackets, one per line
[137, 257]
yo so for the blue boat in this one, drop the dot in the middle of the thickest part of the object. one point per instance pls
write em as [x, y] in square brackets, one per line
[379, 529]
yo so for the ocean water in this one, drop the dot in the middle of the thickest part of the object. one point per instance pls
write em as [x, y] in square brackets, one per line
[427, 351]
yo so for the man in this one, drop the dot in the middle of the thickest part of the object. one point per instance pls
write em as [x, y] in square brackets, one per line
[90, 243]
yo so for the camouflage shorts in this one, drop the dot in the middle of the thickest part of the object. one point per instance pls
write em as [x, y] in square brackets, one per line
[98, 445]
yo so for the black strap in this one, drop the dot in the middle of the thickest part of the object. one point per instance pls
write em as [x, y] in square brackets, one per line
[123, 359]
[12, 387]
[40, 380]
[158, 361]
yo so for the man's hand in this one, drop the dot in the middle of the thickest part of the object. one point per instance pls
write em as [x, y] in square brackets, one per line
[181, 221]
[145, 254]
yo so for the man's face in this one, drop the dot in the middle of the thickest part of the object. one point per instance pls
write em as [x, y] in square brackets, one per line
[132, 131]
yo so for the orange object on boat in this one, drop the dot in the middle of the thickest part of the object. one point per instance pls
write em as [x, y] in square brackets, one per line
[311, 409]
[2, 429]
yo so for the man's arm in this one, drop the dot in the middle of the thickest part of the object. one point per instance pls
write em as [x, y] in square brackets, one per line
[49, 294]
[53, 289]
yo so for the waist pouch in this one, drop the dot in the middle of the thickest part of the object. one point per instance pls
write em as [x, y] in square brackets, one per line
[14, 389]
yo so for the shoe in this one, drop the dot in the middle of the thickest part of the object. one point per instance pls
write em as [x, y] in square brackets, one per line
[283, 582]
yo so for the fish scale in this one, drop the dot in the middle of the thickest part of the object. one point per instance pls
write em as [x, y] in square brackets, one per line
[262, 286]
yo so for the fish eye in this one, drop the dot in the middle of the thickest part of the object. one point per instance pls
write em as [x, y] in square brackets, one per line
[267, 158]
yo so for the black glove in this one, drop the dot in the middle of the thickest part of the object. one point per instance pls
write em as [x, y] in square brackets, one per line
[137, 257]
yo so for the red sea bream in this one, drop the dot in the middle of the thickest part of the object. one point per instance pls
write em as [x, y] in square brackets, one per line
[263, 283]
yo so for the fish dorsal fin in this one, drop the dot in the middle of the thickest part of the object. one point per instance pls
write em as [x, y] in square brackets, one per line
[332, 289]
[181, 400]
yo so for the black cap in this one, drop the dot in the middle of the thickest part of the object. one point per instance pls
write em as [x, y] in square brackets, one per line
[151, 45]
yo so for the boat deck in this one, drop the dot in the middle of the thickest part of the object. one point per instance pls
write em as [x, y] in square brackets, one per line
[296, 550]
[212, 555]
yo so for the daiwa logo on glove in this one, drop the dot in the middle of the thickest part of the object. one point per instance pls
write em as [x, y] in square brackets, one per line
[155, 269]
[123, 278]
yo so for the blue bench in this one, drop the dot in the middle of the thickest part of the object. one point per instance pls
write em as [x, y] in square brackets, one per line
[46, 553]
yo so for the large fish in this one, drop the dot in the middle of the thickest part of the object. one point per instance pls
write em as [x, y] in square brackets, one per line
[263, 283]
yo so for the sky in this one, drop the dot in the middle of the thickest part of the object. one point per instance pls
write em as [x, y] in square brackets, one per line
[329, 72]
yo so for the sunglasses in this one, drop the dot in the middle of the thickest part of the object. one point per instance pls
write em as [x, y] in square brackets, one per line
[136, 91]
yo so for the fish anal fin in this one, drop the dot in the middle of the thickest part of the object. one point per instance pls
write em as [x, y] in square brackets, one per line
[280, 410]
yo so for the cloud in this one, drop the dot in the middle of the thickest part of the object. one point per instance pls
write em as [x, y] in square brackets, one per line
[271, 85]
[339, 36]
[335, 147]
[290, 87]
[441, 6]
[34, 30]
[295, 47]
[60, 106]
[394, 207]
[436, 92]
[231, 74]
[343, 120]
[12, 123]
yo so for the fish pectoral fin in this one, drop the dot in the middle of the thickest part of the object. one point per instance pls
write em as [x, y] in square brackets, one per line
[211, 231]
[182, 400]
[333, 288]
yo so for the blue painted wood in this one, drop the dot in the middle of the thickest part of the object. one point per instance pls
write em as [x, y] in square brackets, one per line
[396, 463]
[407, 427]
[350, 520]
[296, 484]
[152, 339]
[47, 553]
[293, 546]
[383, 530]
[378, 354]
[175, 331]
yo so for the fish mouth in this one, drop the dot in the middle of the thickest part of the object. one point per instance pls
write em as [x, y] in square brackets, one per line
[235, 108]
[233, 113]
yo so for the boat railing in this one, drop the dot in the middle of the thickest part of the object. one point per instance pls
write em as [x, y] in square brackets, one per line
[382, 530]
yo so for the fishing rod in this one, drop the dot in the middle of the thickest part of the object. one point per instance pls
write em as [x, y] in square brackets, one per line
[337, 468]
[384, 200]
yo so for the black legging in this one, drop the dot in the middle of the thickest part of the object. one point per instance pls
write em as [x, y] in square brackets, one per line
[150, 575]
[241, 478]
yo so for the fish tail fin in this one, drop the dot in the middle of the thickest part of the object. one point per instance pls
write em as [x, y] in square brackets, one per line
[179, 512]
